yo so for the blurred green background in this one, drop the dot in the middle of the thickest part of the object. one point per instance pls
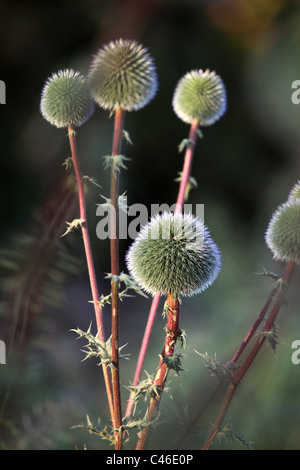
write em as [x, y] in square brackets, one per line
[245, 167]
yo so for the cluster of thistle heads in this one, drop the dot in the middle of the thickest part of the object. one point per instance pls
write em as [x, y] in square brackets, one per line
[173, 253]
[123, 75]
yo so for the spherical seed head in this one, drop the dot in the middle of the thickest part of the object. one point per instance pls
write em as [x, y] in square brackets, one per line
[123, 75]
[174, 254]
[295, 192]
[66, 99]
[283, 233]
[200, 95]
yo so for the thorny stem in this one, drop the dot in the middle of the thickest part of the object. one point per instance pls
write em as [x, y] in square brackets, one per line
[238, 376]
[172, 334]
[89, 259]
[188, 159]
[114, 252]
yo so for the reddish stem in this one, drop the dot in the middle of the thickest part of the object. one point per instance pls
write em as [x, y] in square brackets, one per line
[172, 334]
[89, 258]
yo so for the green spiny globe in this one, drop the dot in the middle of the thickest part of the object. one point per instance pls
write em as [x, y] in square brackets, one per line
[175, 254]
[283, 233]
[66, 99]
[200, 95]
[123, 75]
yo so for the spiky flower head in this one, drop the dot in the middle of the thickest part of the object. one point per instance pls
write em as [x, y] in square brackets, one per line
[175, 254]
[66, 99]
[123, 75]
[200, 95]
[295, 192]
[283, 233]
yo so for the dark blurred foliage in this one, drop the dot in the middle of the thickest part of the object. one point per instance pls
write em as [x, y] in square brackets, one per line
[245, 166]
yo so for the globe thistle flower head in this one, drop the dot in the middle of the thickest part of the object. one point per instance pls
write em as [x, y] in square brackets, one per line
[200, 95]
[283, 233]
[295, 192]
[123, 75]
[66, 99]
[174, 254]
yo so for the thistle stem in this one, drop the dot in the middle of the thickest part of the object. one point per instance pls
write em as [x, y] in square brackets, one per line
[114, 252]
[188, 159]
[238, 376]
[255, 325]
[172, 334]
[89, 258]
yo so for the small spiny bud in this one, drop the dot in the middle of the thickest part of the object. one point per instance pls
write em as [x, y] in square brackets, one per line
[123, 75]
[174, 254]
[283, 233]
[66, 99]
[200, 95]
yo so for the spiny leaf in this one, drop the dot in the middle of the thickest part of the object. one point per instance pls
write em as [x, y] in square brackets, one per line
[67, 163]
[182, 338]
[97, 348]
[268, 274]
[272, 336]
[128, 281]
[199, 133]
[223, 372]
[91, 180]
[174, 363]
[128, 424]
[185, 143]
[122, 201]
[191, 184]
[115, 161]
[126, 136]
[145, 388]
[226, 433]
[71, 132]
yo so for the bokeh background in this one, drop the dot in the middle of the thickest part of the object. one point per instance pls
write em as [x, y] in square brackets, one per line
[245, 167]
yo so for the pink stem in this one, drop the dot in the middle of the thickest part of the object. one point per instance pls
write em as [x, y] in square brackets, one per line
[188, 159]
